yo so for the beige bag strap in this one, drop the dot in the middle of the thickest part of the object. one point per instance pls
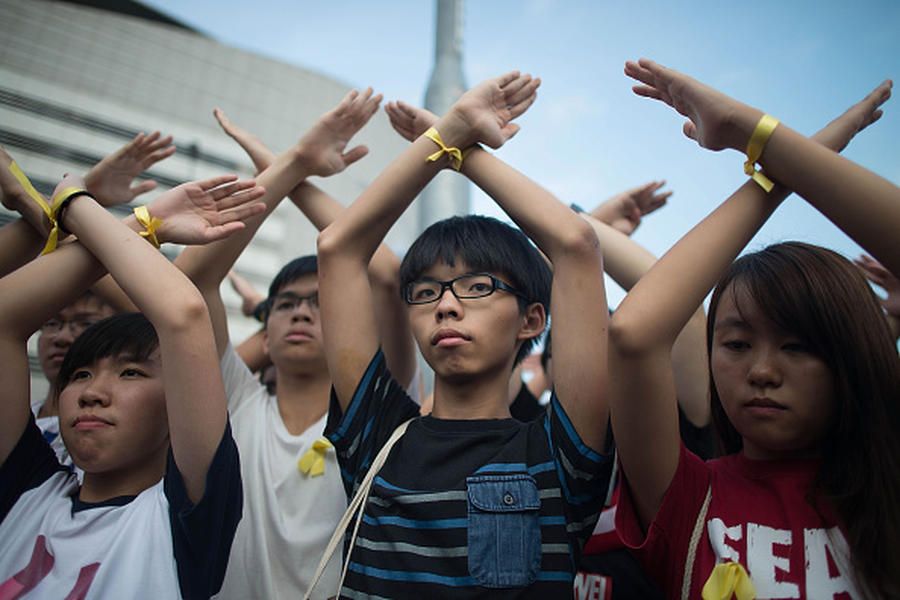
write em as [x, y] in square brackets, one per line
[696, 534]
[356, 507]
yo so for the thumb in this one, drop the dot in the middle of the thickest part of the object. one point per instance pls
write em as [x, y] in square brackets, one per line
[142, 188]
[690, 130]
[354, 154]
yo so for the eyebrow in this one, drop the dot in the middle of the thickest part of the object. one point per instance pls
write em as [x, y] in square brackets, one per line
[735, 322]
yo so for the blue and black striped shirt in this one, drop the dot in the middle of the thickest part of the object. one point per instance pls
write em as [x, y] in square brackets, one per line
[465, 508]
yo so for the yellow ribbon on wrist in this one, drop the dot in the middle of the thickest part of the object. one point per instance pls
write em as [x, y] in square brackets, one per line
[755, 147]
[454, 153]
[50, 210]
[728, 580]
[150, 224]
[312, 463]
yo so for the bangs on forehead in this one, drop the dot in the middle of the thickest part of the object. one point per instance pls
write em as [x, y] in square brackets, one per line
[127, 335]
[483, 244]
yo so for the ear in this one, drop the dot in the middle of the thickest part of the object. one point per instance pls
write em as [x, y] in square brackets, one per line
[533, 322]
[265, 340]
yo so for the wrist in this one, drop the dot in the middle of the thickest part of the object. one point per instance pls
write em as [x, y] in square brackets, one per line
[740, 125]
[455, 130]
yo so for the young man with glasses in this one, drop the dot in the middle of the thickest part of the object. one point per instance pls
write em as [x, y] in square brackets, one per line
[470, 502]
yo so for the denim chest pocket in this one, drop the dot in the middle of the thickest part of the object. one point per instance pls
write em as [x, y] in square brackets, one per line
[504, 531]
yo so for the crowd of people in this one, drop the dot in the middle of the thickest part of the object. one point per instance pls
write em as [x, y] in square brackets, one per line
[656, 451]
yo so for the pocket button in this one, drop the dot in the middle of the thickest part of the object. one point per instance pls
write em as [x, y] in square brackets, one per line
[509, 499]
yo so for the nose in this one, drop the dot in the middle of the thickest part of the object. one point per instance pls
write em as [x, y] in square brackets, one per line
[448, 306]
[64, 337]
[304, 311]
[764, 371]
[95, 393]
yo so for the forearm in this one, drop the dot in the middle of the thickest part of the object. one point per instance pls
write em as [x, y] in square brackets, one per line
[112, 294]
[555, 228]
[846, 193]
[19, 243]
[207, 266]
[624, 260]
[138, 268]
[661, 303]
[359, 230]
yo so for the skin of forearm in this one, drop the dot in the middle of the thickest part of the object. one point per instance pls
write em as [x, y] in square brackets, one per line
[19, 243]
[207, 266]
[839, 189]
[624, 260]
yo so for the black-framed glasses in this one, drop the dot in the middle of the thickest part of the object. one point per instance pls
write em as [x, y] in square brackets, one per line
[470, 285]
[75, 326]
[287, 302]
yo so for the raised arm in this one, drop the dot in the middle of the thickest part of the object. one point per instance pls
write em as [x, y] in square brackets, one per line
[864, 205]
[321, 151]
[321, 209]
[191, 213]
[646, 324]
[347, 245]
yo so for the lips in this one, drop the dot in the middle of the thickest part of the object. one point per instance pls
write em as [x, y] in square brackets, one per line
[90, 421]
[446, 338]
[764, 407]
[298, 336]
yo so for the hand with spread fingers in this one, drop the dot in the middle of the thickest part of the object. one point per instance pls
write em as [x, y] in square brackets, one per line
[110, 179]
[625, 210]
[323, 148]
[200, 212]
[484, 114]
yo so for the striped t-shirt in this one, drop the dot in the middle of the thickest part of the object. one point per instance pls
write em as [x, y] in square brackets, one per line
[464, 508]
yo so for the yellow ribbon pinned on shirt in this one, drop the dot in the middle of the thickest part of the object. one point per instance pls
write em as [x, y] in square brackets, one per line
[755, 147]
[49, 209]
[150, 224]
[455, 154]
[312, 463]
[727, 580]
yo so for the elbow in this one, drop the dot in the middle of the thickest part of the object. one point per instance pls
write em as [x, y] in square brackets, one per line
[626, 336]
[580, 240]
[328, 244]
[189, 310]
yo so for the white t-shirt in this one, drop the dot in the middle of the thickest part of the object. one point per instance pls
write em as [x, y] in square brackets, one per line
[288, 516]
[153, 545]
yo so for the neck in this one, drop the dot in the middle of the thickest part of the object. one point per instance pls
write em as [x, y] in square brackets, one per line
[302, 398]
[485, 397]
[130, 481]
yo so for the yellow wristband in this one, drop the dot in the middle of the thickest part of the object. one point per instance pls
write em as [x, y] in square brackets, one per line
[456, 156]
[151, 224]
[755, 147]
[49, 209]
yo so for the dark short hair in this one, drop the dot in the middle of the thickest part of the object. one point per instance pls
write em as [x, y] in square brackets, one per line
[289, 273]
[484, 244]
[125, 334]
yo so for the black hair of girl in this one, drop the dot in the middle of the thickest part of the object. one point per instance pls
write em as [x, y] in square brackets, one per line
[822, 298]
[126, 334]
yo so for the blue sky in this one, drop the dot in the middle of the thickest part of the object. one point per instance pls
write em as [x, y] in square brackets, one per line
[588, 136]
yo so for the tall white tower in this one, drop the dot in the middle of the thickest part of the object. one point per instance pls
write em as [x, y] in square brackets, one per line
[448, 194]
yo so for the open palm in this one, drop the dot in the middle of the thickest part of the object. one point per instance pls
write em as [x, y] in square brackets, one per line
[200, 212]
